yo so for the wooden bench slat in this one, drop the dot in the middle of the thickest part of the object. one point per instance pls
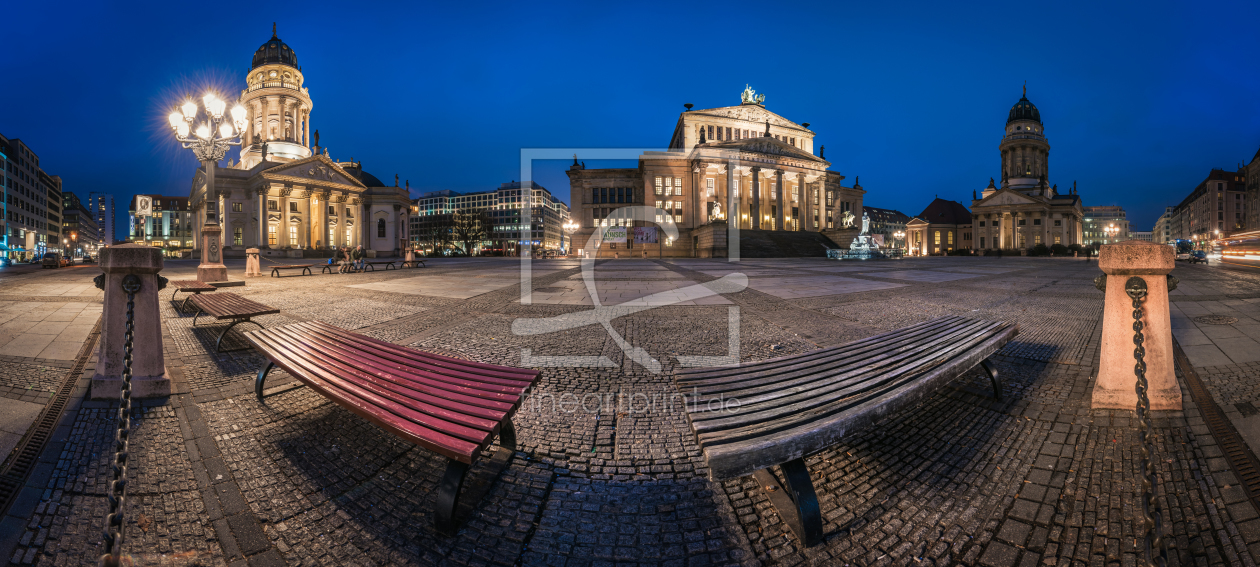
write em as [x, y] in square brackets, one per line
[840, 374]
[440, 364]
[467, 384]
[790, 371]
[739, 458]
[327, 384]
[402, 388]
[191, 285]
[227, 305]
[811, 405]
[467, 400]
[725, 374]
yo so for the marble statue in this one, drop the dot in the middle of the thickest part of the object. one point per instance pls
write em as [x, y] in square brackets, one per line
[866, 223]
[847, 219]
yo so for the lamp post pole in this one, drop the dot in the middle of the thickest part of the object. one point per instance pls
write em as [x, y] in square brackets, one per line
[569, 228]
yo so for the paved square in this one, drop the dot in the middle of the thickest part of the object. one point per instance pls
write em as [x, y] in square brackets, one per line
[1038, 478]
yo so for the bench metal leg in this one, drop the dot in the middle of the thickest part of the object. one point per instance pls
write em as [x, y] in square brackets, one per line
[993, 378]
[262, 378]
[196, 315]
[448, 495]
[229, 328]
[184, 305]
[798, 505]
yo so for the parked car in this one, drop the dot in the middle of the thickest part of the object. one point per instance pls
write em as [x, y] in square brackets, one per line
[51, 260]
[86, 258]
[1198, 256]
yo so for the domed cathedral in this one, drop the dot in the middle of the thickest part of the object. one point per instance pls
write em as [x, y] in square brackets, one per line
[284, 193]
[1025, 209]
[738, 164]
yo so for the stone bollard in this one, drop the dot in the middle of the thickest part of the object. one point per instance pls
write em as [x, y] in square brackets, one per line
[148, 366]
[252, 266]
[211, 268]
[1115, 388]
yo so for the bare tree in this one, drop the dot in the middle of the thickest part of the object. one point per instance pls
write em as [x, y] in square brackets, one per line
[469, 229]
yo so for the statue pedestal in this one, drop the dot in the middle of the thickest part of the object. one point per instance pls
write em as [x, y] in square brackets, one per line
[211, 268]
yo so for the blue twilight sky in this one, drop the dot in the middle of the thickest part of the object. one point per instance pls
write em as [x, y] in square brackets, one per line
[1140, 99]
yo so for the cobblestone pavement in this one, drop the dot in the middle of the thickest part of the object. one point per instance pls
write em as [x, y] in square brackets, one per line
[1036, 479]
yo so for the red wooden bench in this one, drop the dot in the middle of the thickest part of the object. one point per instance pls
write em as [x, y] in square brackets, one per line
[306, 269]
[449, 406]
[194, 286]
[230, 306]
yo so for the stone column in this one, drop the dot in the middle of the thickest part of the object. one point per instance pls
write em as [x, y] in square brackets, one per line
[1116, 381]
[148, 366]
[306, 121]
[261, 195]
[307, 222]
[282, 231]
[778, 192]
[754, 205]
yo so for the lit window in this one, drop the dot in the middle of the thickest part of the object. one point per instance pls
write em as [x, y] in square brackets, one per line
[708, 183]
[271, 234]
[293, 239]
[236, 207]
[238, 236]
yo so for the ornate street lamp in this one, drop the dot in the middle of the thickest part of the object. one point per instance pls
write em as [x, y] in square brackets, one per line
[900, 235]
[210, 139]
[569, 228]
[1111, 231]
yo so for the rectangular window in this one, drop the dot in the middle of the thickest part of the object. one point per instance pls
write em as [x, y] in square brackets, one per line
[1056, 240]
[331, 211]
[272, 205]
[1023, 222]
[938, 237]
[949, 237]
[678, 186]
[238, 236]
[236, 207]
[1058, 223]
[982, 242]
[348, 235]
[728, 134]
[669, 186]
[332, 235]
[271, 234]
[348, 213]
[710, 133]
[1037, 239]
[796, 193]
[708, 187]
[659, 186]
[1036, 222]
[293, 239]
[792, 141]
[981, 223]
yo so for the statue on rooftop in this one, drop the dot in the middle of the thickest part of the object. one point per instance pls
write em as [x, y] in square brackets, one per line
[749, 96]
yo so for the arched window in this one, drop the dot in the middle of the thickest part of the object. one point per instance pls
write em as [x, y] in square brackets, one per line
[380, 228]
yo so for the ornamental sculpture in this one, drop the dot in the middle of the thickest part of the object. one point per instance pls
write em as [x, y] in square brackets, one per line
[749, 96]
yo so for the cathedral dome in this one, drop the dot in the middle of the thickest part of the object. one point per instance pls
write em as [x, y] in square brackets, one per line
[274, 51]
[1024, 110]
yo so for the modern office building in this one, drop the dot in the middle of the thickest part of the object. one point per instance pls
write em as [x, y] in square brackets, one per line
[102, 206]
[78, 225]
[1098, 220]
[169, 227]
[439, 217]
[32, 198]
[1145, 235]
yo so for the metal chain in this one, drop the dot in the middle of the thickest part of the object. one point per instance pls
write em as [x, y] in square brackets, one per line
[1135, 287]
[113, 532]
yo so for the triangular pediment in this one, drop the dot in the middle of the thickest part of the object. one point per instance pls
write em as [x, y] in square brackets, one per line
[749, 112]
[317, 170]
[768, 146]
[1008, 197]
[916, 221]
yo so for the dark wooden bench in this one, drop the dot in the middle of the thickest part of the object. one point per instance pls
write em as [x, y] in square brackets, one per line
[417, 263]
[331, 268]
[449, 406]
[306, 269]
[367, 266]
[194, 286]
[754, 416]
[230, 306]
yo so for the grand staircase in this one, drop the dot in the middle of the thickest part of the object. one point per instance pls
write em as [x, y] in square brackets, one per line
[783, 244]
